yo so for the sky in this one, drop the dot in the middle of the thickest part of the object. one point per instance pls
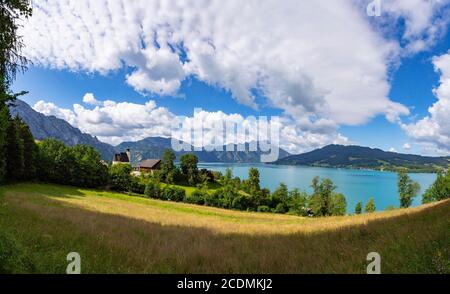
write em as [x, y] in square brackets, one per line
[370, 73]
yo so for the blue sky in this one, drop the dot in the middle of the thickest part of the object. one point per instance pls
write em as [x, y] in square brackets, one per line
[367, 81]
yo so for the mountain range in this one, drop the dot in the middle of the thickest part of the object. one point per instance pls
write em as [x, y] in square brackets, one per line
[364, 157]
[43, 127]
[339, 156]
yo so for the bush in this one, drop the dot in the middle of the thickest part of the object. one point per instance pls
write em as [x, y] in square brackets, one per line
[263, 208]
[173, 194]
[120, 177]
[214, 199]
[137, 187]
[153, 190]
[241, 202]
[197, 197]
[281, 208]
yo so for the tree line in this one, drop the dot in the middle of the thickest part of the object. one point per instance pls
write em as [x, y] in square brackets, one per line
[225, 190]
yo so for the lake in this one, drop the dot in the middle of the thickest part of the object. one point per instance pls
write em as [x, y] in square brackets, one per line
[356, 185]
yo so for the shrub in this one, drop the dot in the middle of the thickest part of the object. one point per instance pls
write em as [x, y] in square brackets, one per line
[197, 197]
[173, 193]
[390, 207]
[214, 199]
[153, 190]
[241, 202]
[280, 208]
[263, 208]
[137, 187]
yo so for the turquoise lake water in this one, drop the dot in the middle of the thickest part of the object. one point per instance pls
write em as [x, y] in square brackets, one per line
[356, 185]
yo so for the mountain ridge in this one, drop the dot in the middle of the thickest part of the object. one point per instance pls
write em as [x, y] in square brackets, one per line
[353, 156]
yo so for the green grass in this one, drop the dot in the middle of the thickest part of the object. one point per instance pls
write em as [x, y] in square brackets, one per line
[117, 233]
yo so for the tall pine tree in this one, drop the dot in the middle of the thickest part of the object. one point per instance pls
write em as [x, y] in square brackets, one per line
[4, 126]
[11, 61]
[14, 151]
[30, 151]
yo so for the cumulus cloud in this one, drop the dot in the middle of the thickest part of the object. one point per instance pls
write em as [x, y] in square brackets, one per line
[406, 146]
[433, 131]
[424, 21]
[115, 122]
[321, 62]
[330, 65]
[89, 98]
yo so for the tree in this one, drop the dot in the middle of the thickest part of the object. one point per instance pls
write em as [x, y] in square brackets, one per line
[338, 205]
[358, 208]
[370, 205]
[228, 177]
[11, 45]
[407, 189]
[439, 190]
[168, 167]
[14, 151]
[89, 169]
[49, 151]
[321, 200]
[30, 151]
[297, 202]
[120, 177]
[10, 61]
[253, 180]
[4, 126]
[188, 163]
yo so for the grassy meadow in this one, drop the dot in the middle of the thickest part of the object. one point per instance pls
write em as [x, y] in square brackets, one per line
[117, 233]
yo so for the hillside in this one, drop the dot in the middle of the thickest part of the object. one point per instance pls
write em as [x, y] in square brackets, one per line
[116, 233]
[43, 127]
[364, 157]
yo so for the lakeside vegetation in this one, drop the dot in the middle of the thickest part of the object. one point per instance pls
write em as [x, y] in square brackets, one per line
[117, 233]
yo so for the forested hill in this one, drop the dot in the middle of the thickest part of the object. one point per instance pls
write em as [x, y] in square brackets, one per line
[364, 157]
[43, 127]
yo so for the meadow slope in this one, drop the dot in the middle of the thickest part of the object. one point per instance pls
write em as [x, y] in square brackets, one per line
[117, 233]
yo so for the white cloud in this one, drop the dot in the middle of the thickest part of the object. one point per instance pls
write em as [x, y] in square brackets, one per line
[424, 21]
[49, 108]
[392, 149]
[433, 131]
[406, 146]
[319, 60]
[114, 122]
[89, 98]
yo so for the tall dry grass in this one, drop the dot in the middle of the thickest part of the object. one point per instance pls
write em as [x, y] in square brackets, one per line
[118, 233]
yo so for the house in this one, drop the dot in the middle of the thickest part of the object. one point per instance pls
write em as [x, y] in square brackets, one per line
[148, 166]
[123, 157]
